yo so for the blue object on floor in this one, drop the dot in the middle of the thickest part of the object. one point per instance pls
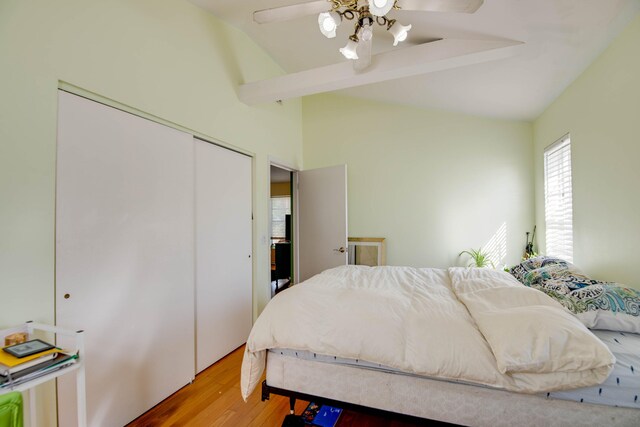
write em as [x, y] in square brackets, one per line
[327, 416]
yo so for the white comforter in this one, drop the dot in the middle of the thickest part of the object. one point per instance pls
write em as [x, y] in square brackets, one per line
[472, 325]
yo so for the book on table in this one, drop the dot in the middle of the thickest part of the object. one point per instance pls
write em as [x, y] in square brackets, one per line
[10, 364]
[28, 348]
[58, 361]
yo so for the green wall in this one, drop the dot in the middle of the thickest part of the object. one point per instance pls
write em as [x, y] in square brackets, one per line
[168, 59]
[601, 110]
[432, 183]
[165, 58]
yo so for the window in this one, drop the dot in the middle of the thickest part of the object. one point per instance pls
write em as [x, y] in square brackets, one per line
[558, 205]
[280, 206]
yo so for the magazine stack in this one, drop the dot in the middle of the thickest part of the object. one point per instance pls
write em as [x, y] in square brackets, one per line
[26, 361]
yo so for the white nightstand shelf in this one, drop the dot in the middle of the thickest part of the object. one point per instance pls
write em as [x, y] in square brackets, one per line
[77, 367]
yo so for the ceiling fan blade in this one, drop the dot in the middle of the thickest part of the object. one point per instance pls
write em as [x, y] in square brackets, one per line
[286, 13]
[364, 55]
[462, 6]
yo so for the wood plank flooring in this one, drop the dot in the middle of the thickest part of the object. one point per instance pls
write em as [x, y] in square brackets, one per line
[214, 400]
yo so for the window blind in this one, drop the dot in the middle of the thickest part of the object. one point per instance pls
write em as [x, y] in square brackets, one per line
[280, 206]
[558, 199]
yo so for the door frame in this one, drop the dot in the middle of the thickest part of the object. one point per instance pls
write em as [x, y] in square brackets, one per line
[294, 214]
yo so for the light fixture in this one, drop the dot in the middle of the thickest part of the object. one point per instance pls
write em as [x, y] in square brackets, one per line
[399, 32]
[328, 23]
[380, 7]
[350, 50]
[366, 33]
[364, 16]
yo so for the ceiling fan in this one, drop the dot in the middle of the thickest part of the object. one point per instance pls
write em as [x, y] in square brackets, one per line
[364, 13]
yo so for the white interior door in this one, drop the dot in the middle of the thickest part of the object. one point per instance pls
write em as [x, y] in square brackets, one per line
[124, 258]
[223, 251]
[322, 220]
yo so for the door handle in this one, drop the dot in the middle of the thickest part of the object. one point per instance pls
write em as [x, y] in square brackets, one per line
[341, 250]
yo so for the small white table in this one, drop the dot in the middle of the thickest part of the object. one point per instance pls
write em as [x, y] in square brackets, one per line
[77, 367]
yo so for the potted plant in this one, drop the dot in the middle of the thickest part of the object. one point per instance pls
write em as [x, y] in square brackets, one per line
[479, 258]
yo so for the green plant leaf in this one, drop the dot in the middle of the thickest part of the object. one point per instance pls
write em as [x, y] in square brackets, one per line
[479, 258]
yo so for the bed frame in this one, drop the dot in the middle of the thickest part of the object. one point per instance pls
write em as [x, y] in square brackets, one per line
[267, 391]
[425, 401]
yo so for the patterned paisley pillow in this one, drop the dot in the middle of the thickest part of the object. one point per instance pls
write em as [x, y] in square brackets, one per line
[608, 306]
[599, 305]
[530, 264]
[570, 276]
[557, 286]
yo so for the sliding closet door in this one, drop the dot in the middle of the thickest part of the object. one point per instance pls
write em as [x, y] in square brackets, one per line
[124, 258]
[223, 252]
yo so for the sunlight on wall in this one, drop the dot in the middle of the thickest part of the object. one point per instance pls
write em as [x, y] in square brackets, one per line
[496, 247]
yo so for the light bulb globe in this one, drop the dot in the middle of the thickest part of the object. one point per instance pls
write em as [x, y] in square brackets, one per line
[380, 7]
[328, 23]
[350, 50]
[366, 33]
[400, 32]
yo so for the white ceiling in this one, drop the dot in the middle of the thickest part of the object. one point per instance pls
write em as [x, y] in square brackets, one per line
[562, 37]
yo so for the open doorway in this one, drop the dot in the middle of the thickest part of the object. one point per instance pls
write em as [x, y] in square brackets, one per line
[308, 223]
[281, 210]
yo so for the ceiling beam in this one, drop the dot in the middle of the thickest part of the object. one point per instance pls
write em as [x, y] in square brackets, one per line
[286, 13]
[395, 64]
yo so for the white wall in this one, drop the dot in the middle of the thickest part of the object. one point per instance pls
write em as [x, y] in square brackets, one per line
[165, 58]
[432, 183]
[601, 110]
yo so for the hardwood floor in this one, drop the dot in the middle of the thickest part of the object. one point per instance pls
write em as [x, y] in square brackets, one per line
[214, 400]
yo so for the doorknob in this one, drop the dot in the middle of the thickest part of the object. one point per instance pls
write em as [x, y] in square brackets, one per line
[341, 250]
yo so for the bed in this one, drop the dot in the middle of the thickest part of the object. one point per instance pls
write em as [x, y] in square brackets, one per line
[464, 346]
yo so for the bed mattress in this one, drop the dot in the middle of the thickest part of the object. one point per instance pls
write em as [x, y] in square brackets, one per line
[436, 399]
[621, 388]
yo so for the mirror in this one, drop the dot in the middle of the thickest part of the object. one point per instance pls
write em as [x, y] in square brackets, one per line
[369, 251]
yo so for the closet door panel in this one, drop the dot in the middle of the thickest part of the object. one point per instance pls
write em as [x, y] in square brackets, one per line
[125, 258]
[223, 252]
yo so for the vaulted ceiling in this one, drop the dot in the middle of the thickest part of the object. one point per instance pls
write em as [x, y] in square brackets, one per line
[560, 39]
